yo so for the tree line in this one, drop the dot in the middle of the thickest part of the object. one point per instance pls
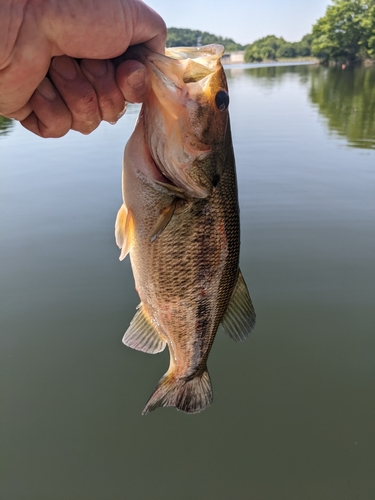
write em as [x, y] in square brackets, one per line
[272, 47]
[346, 33]
[181, 37]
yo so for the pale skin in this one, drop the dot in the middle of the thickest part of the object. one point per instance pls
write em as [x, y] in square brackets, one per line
[41, 83]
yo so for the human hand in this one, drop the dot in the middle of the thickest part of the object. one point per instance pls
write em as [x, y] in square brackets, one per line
[74, 95]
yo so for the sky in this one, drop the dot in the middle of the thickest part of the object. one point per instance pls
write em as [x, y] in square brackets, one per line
[243, 20]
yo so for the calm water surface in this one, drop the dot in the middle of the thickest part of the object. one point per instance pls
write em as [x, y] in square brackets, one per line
[294, 407]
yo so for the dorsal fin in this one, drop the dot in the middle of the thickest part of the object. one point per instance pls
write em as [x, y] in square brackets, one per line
[124, 230]
[239, 319]
[142, 335]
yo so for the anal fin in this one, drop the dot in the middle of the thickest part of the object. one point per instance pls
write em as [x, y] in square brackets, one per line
[239, 319]
[142, 335]
[124, 230]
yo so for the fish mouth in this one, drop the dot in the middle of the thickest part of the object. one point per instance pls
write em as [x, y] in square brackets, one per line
[181, 79]
[186, 65]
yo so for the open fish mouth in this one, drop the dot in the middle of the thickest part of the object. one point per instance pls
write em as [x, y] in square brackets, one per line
[185, 82]
[194, 64]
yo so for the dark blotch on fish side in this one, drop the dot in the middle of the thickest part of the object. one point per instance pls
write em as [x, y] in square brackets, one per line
[222, 100]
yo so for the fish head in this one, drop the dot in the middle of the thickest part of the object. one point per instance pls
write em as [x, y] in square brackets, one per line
[186, 116]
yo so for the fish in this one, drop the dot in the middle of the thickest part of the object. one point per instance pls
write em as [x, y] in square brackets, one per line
[179, 222]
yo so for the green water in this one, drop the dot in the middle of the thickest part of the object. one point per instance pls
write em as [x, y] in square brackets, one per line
[294, 406]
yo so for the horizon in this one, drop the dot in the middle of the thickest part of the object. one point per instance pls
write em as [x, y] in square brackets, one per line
[245, 23]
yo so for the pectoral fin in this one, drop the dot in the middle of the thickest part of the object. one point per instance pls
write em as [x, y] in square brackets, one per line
[239, 319]
[124, 230]
[142, 335]
[163, 220]
[177, 207]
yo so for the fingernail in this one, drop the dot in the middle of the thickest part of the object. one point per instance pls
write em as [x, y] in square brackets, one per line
[46, 90]
[137, 79]
[94, 66]
[65, 67]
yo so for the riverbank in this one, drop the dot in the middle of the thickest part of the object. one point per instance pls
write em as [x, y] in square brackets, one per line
[235, 59]
[267, 64]
[291, 60]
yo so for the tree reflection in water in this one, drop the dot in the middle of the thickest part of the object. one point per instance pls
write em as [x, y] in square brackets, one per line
[5, 125]
[346, 98]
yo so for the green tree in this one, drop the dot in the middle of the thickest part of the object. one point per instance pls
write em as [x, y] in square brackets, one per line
[264, 48]
[286, 49]
[347, 31]
[303, 48]
[368, 24]
[272, 47]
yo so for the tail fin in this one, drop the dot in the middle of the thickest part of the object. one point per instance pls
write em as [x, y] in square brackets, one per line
[190, 396]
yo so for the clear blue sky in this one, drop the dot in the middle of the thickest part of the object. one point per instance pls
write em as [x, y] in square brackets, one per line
[243, 20]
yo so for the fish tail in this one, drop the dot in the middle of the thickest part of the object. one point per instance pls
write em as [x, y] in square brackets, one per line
[190, 396]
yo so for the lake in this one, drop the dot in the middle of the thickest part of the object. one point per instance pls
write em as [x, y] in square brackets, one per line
[293, 415]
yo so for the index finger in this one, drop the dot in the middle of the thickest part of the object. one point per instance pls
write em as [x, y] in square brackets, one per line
[90, 29]
[149, 28]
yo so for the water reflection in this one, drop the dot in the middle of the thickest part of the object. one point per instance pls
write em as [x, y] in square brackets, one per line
[347, 100]
[278, 72]
[5, 125]
[270, 76]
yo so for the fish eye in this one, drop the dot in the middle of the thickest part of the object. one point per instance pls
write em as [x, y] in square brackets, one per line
[222, 100]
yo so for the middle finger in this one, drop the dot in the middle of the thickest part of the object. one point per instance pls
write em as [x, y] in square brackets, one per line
[77, 93]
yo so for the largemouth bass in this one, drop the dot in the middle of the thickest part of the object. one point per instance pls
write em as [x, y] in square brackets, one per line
[180, 222]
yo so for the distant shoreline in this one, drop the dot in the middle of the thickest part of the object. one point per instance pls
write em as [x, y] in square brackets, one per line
[290, 61]
[272, 62]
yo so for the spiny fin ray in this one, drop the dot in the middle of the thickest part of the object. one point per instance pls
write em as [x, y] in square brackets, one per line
[124, 230]
[163, 220]
[239, 319]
